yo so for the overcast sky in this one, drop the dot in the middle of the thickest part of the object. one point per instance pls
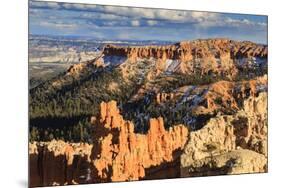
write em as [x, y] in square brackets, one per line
[116, 23]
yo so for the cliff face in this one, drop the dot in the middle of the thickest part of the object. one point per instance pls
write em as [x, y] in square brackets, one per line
[186, 51]
[124, 155]
[59, 163]
[226, 97]
[223, 145]
[117, 154]
[220, 56]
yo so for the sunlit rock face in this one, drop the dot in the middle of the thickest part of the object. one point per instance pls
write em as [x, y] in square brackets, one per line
[230, 144]
[124, 155]
[189, 50]
[211, 56]
[117, 154]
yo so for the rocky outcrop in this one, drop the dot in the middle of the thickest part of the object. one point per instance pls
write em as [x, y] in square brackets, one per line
[226, 97]
[213, 148]
[124, 155]
[59, 163]
[88, 66]
[211, 56]
[189, 50]
[79, 71]
[117, 154]
[238, 161]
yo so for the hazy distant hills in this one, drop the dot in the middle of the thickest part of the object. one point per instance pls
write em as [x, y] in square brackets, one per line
[51, 55]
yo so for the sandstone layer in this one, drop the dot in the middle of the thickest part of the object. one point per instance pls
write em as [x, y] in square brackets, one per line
[189, 50]
[223, 57]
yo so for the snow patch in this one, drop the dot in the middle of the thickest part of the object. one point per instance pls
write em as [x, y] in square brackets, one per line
[253, 61]
[172, 65]
[114, 60]
[261, 88]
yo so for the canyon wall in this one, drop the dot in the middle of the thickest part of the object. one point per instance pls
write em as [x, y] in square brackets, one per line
[189, 50]
[201, 57]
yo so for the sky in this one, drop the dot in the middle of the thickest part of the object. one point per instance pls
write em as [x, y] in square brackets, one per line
[131, 23]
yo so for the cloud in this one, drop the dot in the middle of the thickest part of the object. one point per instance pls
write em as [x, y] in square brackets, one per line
[135, 23]
[151, 22]
[132, 12]
[104, 13]
[59, 25]
[77, 6]
[122, 22]
[244, 22]
[49, 5]
[94, 15]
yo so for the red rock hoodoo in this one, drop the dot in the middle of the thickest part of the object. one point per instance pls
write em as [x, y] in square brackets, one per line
[124, 155]
[117, 154]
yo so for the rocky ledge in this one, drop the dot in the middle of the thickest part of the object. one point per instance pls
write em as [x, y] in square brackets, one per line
[188, 50]
[222, 57]
[229, 144]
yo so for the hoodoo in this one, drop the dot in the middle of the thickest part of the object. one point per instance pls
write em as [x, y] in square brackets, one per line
[117, 154]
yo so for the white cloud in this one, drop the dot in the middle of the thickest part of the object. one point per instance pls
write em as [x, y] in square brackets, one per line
[225, 21]
[58, 25]
[201, 19]
[99, 18]
[95, 15]
[52, 5]
[135, 23]
[263, 24]
[78, 6]
[160, 14]
[110, 23]
[243, 23]
[151, 22]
